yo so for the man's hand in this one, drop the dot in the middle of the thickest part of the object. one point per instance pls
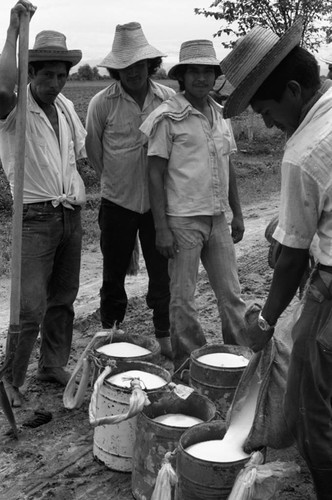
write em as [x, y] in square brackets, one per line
[165, 243]
[255, 338]
[237, 226]
[21, 7]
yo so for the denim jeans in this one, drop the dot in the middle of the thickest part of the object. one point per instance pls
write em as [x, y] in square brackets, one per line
[207, 239]
[308, 399]
[119, 228]
[51, 253]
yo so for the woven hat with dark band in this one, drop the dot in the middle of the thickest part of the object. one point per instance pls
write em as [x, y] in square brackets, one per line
[252, 60]
[196, 52]
[51, 46]
[129, 47]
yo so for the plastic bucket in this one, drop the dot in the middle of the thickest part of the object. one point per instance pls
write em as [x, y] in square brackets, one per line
[154, 439]
[200, 479]
[113, 444]
[217, 383]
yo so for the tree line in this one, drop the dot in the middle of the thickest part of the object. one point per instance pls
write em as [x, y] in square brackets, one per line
[88, 73]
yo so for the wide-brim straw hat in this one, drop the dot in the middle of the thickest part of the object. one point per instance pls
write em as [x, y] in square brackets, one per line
[196, 52]
[252, 60]
[51, 46]
[129, 46]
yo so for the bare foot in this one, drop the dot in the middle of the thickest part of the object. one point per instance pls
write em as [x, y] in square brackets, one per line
[13, 394]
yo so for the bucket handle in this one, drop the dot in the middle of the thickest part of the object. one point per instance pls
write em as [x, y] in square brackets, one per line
[137, 401]
[70, 399]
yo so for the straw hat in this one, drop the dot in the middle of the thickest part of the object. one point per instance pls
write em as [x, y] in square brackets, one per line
[196, 52]
[129, 46]
[51, 46]
[252, 60]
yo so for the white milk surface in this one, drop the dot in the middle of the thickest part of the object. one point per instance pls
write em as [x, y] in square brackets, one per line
[149, 380]
[230, 448]
[177, 420]
[224, 360]
[123, 350]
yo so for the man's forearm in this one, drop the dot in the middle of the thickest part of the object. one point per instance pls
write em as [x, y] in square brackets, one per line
[289, 270]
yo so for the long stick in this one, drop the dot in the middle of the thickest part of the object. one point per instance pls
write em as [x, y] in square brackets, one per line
[15, 296]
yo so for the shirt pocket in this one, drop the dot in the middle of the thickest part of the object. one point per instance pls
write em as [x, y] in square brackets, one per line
[121, 134]
[37, 151]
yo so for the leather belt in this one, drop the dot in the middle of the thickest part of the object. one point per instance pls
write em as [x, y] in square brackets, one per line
[322, 267]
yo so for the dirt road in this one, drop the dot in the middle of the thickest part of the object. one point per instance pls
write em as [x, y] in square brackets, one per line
[55, 461]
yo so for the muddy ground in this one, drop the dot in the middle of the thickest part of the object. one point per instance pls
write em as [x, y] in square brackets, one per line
[55, 461]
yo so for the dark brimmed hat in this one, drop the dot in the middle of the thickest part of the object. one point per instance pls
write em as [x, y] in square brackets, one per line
[51, 46]
[129, 47]
[252, 60]
[196, 52]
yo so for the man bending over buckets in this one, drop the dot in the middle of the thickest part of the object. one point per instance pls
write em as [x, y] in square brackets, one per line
[280, 80]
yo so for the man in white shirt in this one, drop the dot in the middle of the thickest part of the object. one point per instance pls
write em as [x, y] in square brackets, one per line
[192, 184]
[117, 150]
[53, 194]
[281, 81]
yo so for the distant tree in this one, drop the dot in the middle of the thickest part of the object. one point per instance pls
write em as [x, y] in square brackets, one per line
[160, 74]
[96, 75]
[240, 16]
[85, 72]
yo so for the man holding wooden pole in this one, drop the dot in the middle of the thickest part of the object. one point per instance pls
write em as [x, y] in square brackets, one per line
[53, 193]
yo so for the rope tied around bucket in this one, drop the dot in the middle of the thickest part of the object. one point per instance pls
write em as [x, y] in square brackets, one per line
[137, 401]
[166, 479]
[70, 399]
[261, 481]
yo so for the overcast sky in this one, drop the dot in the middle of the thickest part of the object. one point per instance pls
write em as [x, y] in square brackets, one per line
[90, 25]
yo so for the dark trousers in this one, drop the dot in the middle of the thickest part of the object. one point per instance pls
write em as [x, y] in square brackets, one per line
[119, 228]
[308, 400]
[51, 253]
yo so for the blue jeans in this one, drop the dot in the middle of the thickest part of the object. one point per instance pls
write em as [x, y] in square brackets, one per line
[207, 239]
[51, 254]
[308, 399]
[119, 228]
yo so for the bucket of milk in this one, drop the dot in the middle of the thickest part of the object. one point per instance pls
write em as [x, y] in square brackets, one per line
[215, 371]
[113, 442]
[105, 346]
[159, 428]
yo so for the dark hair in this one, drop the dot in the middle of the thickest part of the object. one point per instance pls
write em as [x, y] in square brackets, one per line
[298, 65]
[153, 66]
[180, 71]
[38, 65]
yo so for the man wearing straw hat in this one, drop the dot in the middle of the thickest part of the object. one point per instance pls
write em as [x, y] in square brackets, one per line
[281, 81]
[53, 194]
[117, 150]
[192, 182]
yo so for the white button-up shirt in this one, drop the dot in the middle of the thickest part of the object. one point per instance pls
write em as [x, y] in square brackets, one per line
[117, 148]
[197, 177]
[306, 183]
[50, 172]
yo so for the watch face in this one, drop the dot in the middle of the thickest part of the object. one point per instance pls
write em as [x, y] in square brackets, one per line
[263, 325]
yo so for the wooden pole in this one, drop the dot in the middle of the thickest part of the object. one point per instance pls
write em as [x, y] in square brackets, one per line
[23, 54]
[15, 296]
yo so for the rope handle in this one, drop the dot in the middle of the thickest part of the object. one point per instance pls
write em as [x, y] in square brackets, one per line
[137, 401]
[70, 399]
[166, 478]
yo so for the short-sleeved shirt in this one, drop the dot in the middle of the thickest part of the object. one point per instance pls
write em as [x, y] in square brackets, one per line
[50, 166]
[306, 185]
[197, 178]
[116, 147]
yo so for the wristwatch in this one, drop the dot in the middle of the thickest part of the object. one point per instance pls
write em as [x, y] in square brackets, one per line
[263, 324]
